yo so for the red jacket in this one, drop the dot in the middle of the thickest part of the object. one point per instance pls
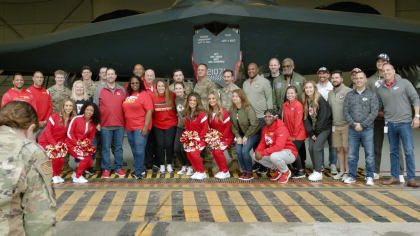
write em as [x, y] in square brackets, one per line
[164, 117]
[54, 131]
[14, 95]
[223, 127]
[275, 139]
[79, 130]
[199, 124]
[293, 119]
[110, 105]
[43, 102]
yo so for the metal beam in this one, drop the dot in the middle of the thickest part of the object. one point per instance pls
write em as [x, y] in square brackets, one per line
[9, 26]
[68, 15]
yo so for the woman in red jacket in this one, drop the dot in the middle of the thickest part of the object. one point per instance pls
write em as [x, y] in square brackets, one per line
[195, 119]
[79, 139]
[164, 123]
[219, 120]
[293, 119]
[54, 136]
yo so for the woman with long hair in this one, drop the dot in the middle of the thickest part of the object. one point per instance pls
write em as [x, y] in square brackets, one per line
[293, 119]
[219, 120]
[138, 109]
[195, 121]
[245, 126]
[54, 136]
[79, 139]
[79, 95]
[318, 124]
[165, 122]
[186, 168]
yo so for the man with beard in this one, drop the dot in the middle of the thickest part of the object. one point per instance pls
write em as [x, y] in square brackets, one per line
[18, 93]
[340, 128]
[178, 76]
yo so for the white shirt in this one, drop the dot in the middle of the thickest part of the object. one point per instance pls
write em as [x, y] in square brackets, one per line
[325, 89]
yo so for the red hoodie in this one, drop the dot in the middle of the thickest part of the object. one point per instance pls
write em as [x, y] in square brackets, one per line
[199, 124]
[164, 117]
[43, 102]
[54, 132]
[110, 105]
[275, 139]
[293, 119]
[79, 130]
[14, 95]
[223, 127]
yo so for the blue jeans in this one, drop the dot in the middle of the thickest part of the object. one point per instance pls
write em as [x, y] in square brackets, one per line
[366, 138]
[138, 147]
[403, 131]
[332, 152]
[107, 136]
[245, 160]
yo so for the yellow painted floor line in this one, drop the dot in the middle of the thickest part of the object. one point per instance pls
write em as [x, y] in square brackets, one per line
[165, 211]
[115, 207]
[322, 208]
[216, 207]
[266, 205]
[351, 210]
[190, 207]
[68, 204]
[242, 207]
[294, 206]
[91, 206]
[140, 205]
[396, 204]
[145, 229]
[374, 207]
[405, 196]
[58, 193]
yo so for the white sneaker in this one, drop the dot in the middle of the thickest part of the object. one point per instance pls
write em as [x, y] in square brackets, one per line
[222, 175]
[338, 176]
[193, 176]
[162, 169]
[349, 180]
[60, 179]
[345, 176]
[402, 180]
[182, 171]
[375, 176]
[315, 176]
[369, 181]
[55, 180]
[190, 171]
[333, 169]
[73, 176]
[80, 180]
[169, 168]
[199, 176]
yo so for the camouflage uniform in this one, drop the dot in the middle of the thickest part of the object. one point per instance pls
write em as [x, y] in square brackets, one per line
[27, 199]
[226, 95]
[57, 96]
[204, 87]
[187, 85]
[90, 88]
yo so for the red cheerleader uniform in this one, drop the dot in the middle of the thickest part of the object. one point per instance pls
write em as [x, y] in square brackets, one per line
[200, 125]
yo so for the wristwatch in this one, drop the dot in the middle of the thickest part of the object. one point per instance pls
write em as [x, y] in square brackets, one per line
[418, 115]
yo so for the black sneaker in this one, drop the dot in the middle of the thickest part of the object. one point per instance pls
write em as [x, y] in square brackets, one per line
[90, 171]
[262, 170]
[256, 167]
[298, 174]
[139, 176]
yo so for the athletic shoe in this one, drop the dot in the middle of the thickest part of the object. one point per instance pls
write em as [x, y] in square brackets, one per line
[284, 178]
[182, 171]
[250, 175]
[169, 168]
[190, 171]
[345, 176]
[139, 176]
[120, 173]
[193, 176]
[199, 176]
[55, 180]
[155, 167]
[276, 175]
[375, 176]
[349, 180]
[299, 174]
[105, 174]
[262, 170]
[80, 180]
[333, 169]
[338, 176]
[402, 180]
[247, 176]
[256, 167]
[243, 176]
[223, 175]
[315, 176]
[73, 176]
[61, 180]
[90, 171]
[369, 181]
[162, 169]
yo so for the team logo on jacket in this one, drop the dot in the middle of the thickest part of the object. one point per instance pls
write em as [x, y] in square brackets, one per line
[311, 111]
[118, 93]
[180, 108]
[268, 140]
[364, 99]
[341, 97]
[279, 85]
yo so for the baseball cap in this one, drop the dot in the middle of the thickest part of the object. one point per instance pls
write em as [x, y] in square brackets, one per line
[356, 70]
[323, 69]
[383, 56]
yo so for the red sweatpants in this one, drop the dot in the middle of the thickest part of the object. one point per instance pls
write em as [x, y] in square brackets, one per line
[196, 161]
[57, 165]
[83, 165]
[220, 159]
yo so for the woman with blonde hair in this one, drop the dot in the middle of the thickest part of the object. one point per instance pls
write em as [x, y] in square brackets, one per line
[79, 95]
[318, 124]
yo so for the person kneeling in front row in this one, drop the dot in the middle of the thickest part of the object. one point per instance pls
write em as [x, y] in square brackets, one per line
[276, 150]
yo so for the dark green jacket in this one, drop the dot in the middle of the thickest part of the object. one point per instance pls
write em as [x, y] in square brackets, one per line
[244, 118]
[279, 89]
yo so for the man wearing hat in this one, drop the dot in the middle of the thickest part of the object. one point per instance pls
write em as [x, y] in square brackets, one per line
[373, 84]
[353, 76]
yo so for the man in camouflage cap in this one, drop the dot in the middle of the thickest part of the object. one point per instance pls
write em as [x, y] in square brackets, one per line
[90, 86]
[59, 92]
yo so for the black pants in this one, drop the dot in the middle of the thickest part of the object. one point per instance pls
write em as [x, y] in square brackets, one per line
[150, 159]
[164, 139]
[298, 163]
[302, 154]
[179, 149]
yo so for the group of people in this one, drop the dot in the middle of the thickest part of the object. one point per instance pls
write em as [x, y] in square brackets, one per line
[266, 122]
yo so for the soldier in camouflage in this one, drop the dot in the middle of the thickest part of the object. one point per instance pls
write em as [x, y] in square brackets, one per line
[59, 92]
[27, 199]
[90, 86]
[178, 76]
